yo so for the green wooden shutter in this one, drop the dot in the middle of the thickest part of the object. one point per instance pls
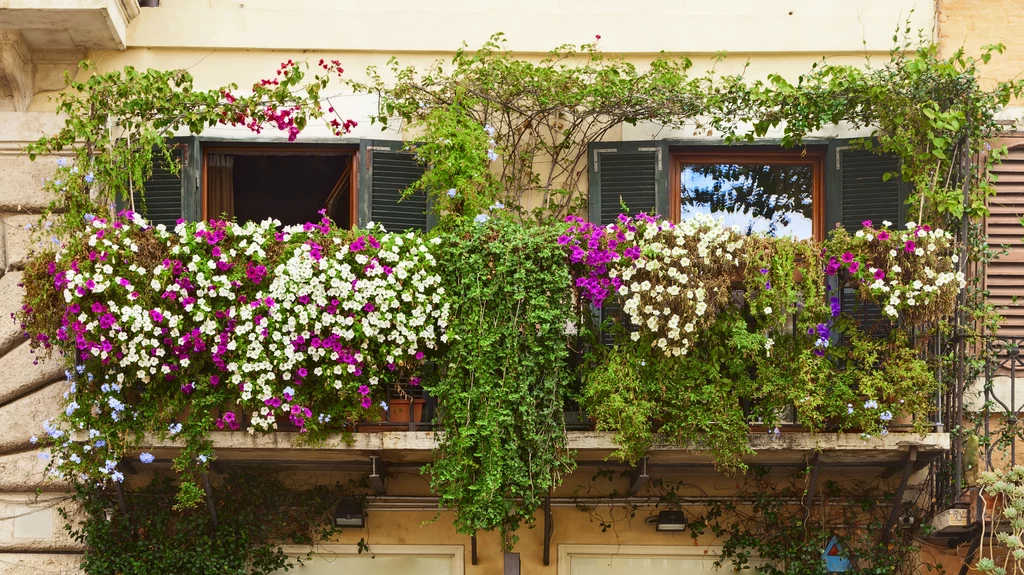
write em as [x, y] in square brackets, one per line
[630, 173]
[857, 192]
[634, 174]
[165, 196]
[385, 171]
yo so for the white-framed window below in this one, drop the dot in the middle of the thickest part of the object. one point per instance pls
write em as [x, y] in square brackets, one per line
[576, 559]
[381, 560]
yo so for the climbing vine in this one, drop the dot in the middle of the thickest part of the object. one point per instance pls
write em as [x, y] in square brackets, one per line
[768, 525]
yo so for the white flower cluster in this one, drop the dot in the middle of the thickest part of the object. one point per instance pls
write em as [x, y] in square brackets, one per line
[331, 312]
[681, 278]
[928, 274]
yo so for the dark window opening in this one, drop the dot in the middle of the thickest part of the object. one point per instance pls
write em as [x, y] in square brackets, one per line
[290, 187]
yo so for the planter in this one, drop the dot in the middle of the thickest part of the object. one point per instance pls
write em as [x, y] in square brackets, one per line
[401, 415]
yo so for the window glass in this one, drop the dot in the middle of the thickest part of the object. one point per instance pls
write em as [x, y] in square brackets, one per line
[758, 197]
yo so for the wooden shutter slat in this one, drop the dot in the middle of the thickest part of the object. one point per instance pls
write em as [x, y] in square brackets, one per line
[391, 172]
[1004, 277]
[160, 201]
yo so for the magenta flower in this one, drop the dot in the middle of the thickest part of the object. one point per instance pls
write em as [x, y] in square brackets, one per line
[854, 266]
[847, 257]
[866, 223]
[910, 246]
[879, 274]
[364, 390]
[156, 316]
[883, 235]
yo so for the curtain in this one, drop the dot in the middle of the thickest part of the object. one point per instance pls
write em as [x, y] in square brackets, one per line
[220, 188]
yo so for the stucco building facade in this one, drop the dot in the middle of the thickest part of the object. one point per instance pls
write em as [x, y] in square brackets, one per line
[223, 41]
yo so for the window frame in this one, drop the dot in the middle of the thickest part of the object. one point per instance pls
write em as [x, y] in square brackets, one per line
[711, 553]
[456, 552]
[253, 148]
[813, 156]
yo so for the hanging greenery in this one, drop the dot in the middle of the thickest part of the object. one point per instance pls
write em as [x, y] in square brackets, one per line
[504, 374]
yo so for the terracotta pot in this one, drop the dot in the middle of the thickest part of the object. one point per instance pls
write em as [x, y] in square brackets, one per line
[397, 417]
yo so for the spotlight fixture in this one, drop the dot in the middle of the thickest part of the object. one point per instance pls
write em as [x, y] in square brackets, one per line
[349, 513]
[671, 521]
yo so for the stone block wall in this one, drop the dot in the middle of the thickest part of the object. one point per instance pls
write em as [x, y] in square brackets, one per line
[32, 535]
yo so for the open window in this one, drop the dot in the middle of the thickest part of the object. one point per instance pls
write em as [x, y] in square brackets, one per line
[289, 184]
[356, 184]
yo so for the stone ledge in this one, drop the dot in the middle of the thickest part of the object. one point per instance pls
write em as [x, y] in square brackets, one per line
[418, 446]
[37, 563]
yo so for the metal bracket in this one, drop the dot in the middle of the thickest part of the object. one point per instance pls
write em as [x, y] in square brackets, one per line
[549, 529]
[897, 500]
[126, 465]
[119, 490]
[209, 499]
[377, 479]
[638, 478]
[812, 486]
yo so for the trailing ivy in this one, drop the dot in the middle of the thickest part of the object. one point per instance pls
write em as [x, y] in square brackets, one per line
[256, 514]
[765, 527]
[504, 375]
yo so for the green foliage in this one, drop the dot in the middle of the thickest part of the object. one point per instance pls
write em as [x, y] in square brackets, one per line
[119, 121]
[504, 375]
[541, 114]
[765, 528]
[256, 514]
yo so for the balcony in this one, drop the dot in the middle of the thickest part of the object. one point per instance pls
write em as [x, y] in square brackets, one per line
[40, 40]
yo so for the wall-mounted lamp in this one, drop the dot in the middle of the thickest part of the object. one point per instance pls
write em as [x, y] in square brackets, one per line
[349, 513]
[671, 521]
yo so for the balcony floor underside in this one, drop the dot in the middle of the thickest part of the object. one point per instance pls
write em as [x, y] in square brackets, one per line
[416, 447]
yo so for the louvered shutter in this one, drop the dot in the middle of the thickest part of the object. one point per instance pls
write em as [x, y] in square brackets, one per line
[167, 196]
[857, 191]
[630, 174]
[385, 171]
[634, 174]
[1004, 277]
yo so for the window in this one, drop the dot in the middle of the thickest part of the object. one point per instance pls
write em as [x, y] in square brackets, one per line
[355, 183]
[289, 184]
[778, 192]
[636, 559]
[386, 559]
